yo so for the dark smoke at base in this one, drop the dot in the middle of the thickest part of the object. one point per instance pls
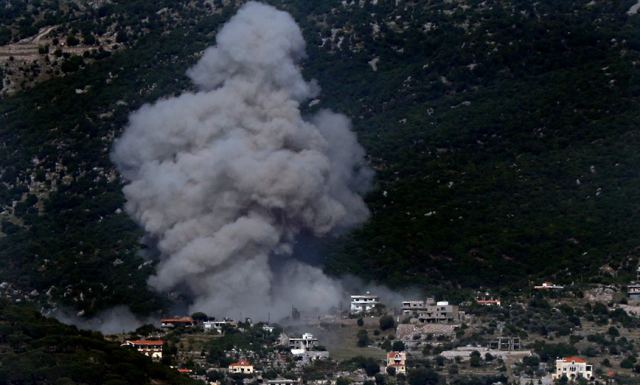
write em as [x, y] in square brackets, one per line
[229, 176]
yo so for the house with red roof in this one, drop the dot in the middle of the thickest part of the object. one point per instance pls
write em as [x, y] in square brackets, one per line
[242, 366]
[573, 368]
[398, 361]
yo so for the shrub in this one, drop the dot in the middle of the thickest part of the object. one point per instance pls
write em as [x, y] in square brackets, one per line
[398, 346]
[387, 322]
[422, 376]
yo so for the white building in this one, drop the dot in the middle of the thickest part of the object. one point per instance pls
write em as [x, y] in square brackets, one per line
[430, 311]
[398, 361]
[282, 381]
[548, 286]
[150, 348]
[302, 344]
[242, 366]
[573, 368]
[362, 304]
[217, 325]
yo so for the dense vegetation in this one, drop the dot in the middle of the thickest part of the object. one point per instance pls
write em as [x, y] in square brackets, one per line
[503, 134]
[40, 351]
[68, 235]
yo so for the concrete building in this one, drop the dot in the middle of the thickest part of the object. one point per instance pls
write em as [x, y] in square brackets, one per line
[415, 306]
[398, 361]
[150, 348]
[441, 312]
[573, 368]
[505, 344]
[302, 344]
[464, 353]
[548, 286]
[217, 325]
[633, 291]
[282, 381]
[362, 304]
[242, 366]
[633, 288]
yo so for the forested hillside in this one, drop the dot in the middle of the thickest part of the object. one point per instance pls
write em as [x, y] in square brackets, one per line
[41, 351]
[504, 135]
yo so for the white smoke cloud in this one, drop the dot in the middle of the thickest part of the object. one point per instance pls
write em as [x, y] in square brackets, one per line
[227, 177]
[118, 319]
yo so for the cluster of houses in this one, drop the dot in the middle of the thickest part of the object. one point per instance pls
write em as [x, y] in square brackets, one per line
[420, 318]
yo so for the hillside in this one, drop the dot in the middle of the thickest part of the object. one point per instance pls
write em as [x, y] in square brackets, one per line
[503, 134]
[41, 351]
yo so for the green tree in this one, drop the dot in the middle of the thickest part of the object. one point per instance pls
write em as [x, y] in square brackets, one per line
[475, 359]
[363, 338]
[398, 346]
[72, 41]
[423, 376]
[387, 322]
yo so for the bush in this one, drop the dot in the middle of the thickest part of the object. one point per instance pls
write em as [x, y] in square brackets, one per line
[363, 338]
[422, 376]
[387, 322]
[398, 346]
[72, 41]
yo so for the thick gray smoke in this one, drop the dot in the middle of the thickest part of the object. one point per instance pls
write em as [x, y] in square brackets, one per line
[227, 177]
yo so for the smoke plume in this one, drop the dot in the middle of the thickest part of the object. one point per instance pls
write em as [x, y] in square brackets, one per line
[227, 177]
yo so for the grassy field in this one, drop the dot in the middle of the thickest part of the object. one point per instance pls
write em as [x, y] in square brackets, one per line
[340, 338]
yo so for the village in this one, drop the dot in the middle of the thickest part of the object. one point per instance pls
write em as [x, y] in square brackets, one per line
[552, 335]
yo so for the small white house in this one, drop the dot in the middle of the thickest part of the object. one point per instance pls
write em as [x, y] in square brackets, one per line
[364, 303]
[150, 348]
[573, 368]
[242, 366]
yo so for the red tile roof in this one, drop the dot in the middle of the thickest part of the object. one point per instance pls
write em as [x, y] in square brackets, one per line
[574, 359]
[177, 320]
[146, 342]
[241, 363]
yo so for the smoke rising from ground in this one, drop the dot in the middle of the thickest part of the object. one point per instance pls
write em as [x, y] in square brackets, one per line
[118, 319]
[228, 176]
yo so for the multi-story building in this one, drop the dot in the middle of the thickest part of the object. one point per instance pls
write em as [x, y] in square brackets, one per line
[398, 361]
[150, 348]
[573, 368]
[413, 307]
[633, 291]
[364, 303]
[217, 325]
[441, 312]
[302, 344]
[633, 288]
[242, 366]
[505, 344]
